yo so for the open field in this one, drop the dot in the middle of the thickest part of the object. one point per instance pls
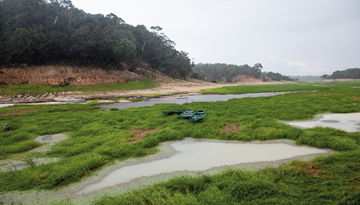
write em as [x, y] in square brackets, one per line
[299, 86]
[97, 138]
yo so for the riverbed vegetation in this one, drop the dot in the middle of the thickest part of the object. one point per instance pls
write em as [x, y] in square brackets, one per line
[98, 137]
[303, 86]
[40, 89]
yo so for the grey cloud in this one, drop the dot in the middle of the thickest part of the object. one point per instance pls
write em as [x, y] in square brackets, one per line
[299, 37]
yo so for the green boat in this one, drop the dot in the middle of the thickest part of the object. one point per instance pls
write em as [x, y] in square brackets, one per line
[172, 112]
[186, 114]
[200, 114]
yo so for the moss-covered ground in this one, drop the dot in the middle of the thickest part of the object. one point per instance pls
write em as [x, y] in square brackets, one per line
[98, 137]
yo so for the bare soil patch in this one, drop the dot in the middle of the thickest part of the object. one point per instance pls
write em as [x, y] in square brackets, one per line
[231, 128]
[65, 75]
[140, 134]
[308, 168]
[355, 97]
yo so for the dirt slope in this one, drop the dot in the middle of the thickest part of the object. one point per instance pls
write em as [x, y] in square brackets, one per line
[57, 75]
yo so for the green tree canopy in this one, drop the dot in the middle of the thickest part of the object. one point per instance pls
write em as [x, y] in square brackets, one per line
[38, 32]
[351, 73]
[227, 72]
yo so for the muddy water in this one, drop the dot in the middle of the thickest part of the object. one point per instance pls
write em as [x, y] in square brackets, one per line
[349, 122]
[199, 155]
[6, 105]
[188, 99]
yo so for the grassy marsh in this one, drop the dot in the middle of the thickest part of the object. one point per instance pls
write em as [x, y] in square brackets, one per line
[98, 137]
[265, 88]
[40, 89]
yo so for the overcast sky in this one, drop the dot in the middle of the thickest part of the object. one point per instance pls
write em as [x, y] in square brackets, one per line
[293, 37]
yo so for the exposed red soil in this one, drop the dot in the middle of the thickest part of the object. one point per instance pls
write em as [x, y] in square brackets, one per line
[231, 128]
[66, 75]
[355, 97]
[308, 168]
[140, 134]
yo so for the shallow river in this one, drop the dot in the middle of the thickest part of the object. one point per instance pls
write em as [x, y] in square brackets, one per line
[188, 99]
[191, 155]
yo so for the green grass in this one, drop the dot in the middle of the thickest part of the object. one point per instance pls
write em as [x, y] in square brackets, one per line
[40, 89]
[137, 99]
[98, 137]
[300, 86]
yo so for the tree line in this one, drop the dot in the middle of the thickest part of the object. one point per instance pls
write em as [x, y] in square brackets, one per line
[351, 73]
[228, 72]
[38, 32]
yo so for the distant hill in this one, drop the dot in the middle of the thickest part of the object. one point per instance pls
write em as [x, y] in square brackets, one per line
[307, 78]
[221, 72]
[53, 32]
[351, 73]
[40, 40]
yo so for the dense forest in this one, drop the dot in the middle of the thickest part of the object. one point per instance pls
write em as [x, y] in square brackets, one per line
[228, 73]
[42, 32]
[351, 73]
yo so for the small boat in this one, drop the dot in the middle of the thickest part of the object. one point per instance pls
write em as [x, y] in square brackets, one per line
[172, 112]
[200, 114]
[186, 114]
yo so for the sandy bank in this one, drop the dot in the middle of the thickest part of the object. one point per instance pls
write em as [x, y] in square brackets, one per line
[166, 87]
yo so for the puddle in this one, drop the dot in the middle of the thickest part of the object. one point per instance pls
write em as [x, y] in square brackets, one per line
[193, 156]
[188, 99]
[6, 105]
[349, 122]
[49, 141]
[51, 138]
[73, 100]
[330, 121]
[12, 165]
[41, 103]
